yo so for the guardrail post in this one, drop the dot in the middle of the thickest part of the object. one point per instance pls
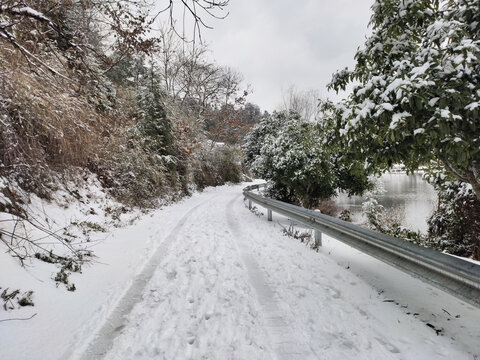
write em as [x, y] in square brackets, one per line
[458, 277]
[318, 239]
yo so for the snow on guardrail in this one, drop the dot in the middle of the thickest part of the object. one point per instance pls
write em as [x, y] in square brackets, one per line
[456, 276]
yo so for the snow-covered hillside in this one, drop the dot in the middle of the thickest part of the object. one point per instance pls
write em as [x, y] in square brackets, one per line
[208, 279]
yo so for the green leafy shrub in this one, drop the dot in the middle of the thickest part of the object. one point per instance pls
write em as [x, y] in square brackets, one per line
[268, 125]
[301, 165]
[455, 225]
[416, 89]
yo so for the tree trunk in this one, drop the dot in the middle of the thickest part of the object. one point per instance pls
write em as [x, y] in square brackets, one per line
[472, 180]
[469, 177]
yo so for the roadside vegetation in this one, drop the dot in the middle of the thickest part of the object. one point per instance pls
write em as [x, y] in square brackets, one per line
[415, 101]
[111, 95]
[93, 89]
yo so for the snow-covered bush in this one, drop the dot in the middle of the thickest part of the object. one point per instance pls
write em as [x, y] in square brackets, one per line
[455, 225]
[299, 159]
[295, 159]
[388, 221]
[302, 166]
[268, 125]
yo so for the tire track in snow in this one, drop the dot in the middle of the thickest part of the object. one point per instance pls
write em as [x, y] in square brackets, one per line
[103, 341]
[287, 342]
[199, 304]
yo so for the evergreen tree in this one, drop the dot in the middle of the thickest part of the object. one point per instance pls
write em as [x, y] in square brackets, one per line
[155, 127]
[418, 92]
[268, 125]
[299, 161]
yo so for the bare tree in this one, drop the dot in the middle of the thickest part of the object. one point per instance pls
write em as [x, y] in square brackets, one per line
[189, 75]
[303, 102]
[197, 10]
[121, 27]
[169, 59]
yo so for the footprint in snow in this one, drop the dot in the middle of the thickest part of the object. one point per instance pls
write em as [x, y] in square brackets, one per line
[171, 275]
[336, 293]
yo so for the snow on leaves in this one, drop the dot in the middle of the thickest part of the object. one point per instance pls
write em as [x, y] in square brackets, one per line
[420, 69]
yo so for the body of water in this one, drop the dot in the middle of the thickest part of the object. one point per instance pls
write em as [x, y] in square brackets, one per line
[413, 197]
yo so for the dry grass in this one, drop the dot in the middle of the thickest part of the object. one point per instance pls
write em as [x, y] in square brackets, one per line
[44, 123]
[49, 126]
[328, 207]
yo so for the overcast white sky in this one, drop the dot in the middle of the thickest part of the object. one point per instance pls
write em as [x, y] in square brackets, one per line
[276, 43]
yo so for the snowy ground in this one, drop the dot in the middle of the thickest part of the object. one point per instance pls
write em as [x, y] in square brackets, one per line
[208, 279]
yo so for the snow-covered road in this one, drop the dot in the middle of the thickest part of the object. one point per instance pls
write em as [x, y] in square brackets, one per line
[226, 284]
[208, 279]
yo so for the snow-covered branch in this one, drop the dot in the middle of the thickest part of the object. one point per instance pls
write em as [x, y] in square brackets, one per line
[27, 11]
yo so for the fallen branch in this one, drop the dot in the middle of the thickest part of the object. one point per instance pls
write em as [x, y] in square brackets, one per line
[22, 319]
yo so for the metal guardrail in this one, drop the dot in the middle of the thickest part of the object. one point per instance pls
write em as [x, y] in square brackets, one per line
[458, 277]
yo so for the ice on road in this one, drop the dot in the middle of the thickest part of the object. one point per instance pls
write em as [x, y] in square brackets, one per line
[226, 284]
